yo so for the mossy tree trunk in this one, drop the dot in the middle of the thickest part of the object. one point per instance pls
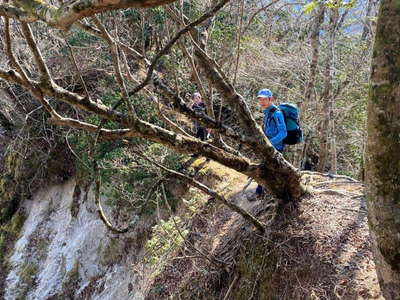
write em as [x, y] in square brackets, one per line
[383, 149]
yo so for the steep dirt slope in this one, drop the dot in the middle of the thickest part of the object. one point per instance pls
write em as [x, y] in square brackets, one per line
[320, 249]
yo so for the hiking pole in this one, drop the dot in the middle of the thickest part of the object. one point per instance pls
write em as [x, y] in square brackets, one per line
[250, 180]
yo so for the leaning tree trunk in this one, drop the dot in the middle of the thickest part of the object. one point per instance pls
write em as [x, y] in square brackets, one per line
[383, 149]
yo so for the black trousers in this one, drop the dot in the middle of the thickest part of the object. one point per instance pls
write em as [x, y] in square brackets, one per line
[260, 188]
[201, 133]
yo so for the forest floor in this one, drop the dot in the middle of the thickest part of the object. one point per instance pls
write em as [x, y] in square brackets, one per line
[321, 251]
[336, 217]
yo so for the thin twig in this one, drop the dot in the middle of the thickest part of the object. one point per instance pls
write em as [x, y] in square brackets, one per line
[71, 51]
[256, 13]
[216, 195]
[168, 46]
[247, 184]
[239, 39]
[172, 124]
[117, 69]
[207, 256]
[194, 70]
[235, 279]
[102, 215]
[8, 42]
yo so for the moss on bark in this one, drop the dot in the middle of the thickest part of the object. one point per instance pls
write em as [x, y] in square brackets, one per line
[383, 155]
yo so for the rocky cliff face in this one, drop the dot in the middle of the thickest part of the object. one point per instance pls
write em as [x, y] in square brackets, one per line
[65, 252]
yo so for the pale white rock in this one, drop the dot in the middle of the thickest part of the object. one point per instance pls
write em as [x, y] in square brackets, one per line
[68, 241]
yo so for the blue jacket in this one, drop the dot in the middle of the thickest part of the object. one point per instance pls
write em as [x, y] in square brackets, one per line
[275, 127]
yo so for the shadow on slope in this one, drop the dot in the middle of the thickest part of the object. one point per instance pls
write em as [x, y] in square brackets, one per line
[317, 250]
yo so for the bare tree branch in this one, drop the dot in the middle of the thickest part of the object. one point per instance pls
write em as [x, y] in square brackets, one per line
[71, 51]
[256, 13]
[8, 46]
[69, 12]
[35, 51]
[117, 69]
[103, 216]
[124, 47]
[205, 120]
[51, 89]
[168, 46]
[212, 193]
[168, 121]
[203, 253]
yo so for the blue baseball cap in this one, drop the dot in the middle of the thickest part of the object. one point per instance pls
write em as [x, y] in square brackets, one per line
[264, 93]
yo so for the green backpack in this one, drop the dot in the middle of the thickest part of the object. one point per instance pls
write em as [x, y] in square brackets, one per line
[291, 114]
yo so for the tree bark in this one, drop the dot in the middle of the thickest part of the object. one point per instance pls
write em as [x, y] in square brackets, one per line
[309, 94]
[367, 29]
[277, 174]
[327, 95]
[383, 149]
[69, 12]
[333, 148]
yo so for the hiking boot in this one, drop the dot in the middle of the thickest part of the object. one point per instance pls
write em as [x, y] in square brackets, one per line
[255, 197]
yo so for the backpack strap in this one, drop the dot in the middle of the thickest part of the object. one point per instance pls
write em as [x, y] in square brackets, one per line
[272, 110]
[270, 114]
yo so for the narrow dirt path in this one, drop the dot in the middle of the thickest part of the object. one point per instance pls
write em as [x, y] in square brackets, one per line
[322, 252]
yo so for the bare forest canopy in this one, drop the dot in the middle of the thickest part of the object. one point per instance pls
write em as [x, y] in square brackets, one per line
[102, 91]
[123, 74]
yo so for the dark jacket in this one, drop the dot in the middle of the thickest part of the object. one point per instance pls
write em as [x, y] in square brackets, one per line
[199, 108]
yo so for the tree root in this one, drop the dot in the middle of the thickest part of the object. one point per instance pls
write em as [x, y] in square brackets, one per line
[335, 182]
[337, 193]
[329, 175]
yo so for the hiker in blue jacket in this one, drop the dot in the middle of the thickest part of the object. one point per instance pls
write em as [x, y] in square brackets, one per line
[274, 125]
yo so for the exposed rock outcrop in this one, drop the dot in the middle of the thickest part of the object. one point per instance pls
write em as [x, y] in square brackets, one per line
[66, 252]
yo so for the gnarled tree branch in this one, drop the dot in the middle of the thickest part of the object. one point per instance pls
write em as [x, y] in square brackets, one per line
[212, 193]
[69, 12]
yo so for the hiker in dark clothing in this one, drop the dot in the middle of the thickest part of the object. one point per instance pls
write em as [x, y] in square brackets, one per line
[201, 132]
[200, 107]
[274, 125]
